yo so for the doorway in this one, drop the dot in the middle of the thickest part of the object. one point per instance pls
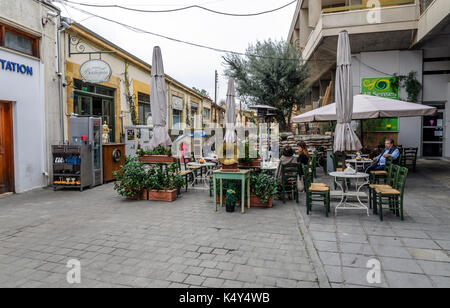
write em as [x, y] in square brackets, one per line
[6, 148]
[433, 131]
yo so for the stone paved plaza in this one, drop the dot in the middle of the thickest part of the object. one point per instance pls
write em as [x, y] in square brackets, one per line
[123, 243]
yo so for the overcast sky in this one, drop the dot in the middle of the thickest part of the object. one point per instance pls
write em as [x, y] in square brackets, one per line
[190, 65]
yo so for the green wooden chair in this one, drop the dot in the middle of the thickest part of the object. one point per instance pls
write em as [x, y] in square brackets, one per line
[377, 175]
[185, 173]
[409, 158]
[316, 193]
[313, 164]
[391, 184]
[393, 197]
[289, 177]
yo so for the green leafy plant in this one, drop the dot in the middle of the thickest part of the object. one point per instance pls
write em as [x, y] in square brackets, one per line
[159, 150]
[130, 179]
[411, 85]
[264, 186]
[168, 178]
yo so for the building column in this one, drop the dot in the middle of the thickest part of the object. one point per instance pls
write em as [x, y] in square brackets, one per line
[315, 10]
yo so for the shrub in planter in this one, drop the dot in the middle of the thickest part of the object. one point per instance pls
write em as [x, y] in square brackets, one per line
[230, 200]
[262, 188]
[163, 184]
[158, 155]
[131, 179]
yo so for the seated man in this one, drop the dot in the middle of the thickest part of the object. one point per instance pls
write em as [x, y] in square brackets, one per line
[390, 151]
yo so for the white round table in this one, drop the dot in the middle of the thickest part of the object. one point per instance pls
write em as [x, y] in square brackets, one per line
[205, 178]
[359, 164]
[362, 179]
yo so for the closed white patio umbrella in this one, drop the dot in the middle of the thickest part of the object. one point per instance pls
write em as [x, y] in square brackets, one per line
[369, 107]
[230, 114]
[345, 139]
[158, 102]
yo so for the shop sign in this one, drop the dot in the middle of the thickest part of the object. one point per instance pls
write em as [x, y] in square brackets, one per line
[382, 87]
[16, 67]
[95, 71]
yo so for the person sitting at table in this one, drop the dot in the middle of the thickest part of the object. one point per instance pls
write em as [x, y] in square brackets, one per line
[303, 155]
[390, 151]
[286, 158]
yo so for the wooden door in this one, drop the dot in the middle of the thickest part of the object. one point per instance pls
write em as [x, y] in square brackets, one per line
[6, 148]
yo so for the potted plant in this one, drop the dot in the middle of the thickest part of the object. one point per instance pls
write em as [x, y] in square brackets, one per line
[230, 200]
[130, 180]
[263, 187]
[247, 161]
[158, 155]
[163, 183]
[226, 185]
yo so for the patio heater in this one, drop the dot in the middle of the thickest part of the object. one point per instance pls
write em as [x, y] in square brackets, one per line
[266, 115]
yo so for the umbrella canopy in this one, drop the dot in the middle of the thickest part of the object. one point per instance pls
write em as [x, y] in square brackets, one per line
[230, 114]
[369, 107]
[158, 102]
[345, 138]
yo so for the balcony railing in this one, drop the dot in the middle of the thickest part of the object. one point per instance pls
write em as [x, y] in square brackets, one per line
[364, 6]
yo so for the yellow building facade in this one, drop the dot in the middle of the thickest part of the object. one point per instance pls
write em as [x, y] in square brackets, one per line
[123, 100]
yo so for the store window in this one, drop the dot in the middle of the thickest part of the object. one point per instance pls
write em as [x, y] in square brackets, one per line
[89, 101]
[19, 41]
[144, 110]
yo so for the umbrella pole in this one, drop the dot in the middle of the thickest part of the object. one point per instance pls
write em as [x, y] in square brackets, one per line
[362, 133]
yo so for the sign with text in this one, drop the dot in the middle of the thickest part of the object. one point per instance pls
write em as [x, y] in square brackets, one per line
[382, 87]
[95, 71]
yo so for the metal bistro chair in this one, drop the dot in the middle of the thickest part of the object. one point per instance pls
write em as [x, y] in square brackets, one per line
[194, 169]
[377, 175]
[393, 197]
[289, 176]
[391, 184]
[315, 192]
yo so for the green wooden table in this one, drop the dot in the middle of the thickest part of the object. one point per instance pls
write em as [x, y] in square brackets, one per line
[242, 175]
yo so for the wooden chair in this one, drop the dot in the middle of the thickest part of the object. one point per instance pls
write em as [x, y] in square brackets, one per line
[409, 158]
[377, 175]
[315, 192]
[393, 197]
[289, 177]
[313, 164]
[391, 184]
[185, 173]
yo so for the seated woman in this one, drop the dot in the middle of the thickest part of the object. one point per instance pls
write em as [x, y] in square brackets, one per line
[286, 158]
[303, 155]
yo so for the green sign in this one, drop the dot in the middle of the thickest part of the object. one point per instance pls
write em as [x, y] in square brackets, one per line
[382, 87]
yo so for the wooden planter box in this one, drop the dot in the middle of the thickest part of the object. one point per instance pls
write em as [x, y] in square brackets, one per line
[162, 195]
[256, 202]
[230, 168]
[256, 162]
[157, 159]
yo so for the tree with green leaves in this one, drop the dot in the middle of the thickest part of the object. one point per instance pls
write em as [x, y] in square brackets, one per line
[271, 73]
[201, 92]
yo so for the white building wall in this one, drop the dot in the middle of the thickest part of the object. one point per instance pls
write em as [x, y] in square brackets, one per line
[37, 113]
[387, 63]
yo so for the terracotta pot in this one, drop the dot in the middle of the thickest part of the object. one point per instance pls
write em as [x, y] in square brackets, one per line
[256, 201]
[256, 162]
[157, 159]
[162, 195]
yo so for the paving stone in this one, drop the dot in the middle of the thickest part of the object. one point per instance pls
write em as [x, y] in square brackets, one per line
[407, 280]
[194, 280]
[213, 283]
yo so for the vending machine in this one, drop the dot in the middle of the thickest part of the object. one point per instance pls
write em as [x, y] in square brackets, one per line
[88, 130]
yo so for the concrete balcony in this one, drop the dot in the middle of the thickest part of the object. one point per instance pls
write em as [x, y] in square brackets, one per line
[386, 28]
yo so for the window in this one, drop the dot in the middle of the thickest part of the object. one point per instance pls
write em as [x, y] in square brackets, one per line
[206, 113]
[18, 40]
[176, 118]
[144, 110]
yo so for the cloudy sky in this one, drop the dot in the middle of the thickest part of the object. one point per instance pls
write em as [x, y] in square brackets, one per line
[190, 65]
